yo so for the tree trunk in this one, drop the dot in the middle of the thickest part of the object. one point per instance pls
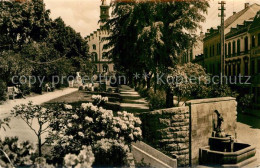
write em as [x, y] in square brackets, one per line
[169, 98]
[40, 146]
[148, 83]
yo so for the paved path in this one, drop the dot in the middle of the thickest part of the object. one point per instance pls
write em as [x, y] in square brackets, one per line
[18, 126]
[132, 101]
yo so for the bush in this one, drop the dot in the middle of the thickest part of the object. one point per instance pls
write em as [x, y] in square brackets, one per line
[157, 100]
[2, 90]
[25, 89]
[19, 153]
[245, 102]
[143, 92]
[80, 87]
[96, 127]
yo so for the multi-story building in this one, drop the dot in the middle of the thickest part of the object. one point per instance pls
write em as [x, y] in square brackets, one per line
[197, 49]
[96, 43]
[212, 46]
[254, 32]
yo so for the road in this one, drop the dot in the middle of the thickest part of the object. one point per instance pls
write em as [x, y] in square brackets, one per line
[18, 126]
[248, 131]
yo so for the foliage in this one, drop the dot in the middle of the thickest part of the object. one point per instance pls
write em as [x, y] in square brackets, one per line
[34, 44]
[84, 159]
[187, 81]
[216, 90]
[89, 124]
[2, 90]
[4, 123]
[157, 100]
[150, 37]
[98, 100]
[245, 102]
[35, 113]
[111, 152]
[19, 153]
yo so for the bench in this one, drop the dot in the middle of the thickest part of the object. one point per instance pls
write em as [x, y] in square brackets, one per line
[11, 92]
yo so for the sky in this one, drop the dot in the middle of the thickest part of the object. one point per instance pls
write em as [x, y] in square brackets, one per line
[83, 15]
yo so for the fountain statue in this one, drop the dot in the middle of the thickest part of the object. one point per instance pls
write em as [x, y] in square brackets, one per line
[223, 150]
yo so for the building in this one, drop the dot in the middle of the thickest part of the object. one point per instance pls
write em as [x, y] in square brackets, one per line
[211, 42]
[96, 42]
[254, 32]
[197, 49]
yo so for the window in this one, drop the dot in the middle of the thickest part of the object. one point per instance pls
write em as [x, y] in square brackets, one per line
[104, 55]
[238, 47]
[258, 66]
[229, 49]
[252, 67]
[94, 57]
[226, 51]
[234, 48]
[213, 50]
[105, 68]
[206, 52]
[253, 41]
[246, 68]
[258, 39]
[229, 70]
[210, 52]
[238, 69]
[234, 70]
[94, 47]
[246, 44]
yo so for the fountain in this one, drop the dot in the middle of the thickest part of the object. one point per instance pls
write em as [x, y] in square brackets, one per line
[223, 150]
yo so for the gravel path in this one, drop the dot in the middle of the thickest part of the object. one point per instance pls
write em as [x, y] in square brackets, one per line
[18, 126]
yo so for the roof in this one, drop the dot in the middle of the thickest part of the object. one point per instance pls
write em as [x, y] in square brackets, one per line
[234, 17]
[241, 28]
[256, 23]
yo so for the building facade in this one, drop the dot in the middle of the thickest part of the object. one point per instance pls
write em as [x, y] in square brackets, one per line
[242, 50]
[96, 44]
[211, 42]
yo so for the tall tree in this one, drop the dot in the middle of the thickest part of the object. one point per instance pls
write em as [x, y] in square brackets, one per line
[150, 37]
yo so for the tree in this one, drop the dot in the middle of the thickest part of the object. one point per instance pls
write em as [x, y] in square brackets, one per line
[31, 114]
[150, 37]
[188, 81]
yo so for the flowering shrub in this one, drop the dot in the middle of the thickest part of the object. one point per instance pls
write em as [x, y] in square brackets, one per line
[98, 100]
[84, 159]
[88, 125]
[18, 153]
[111, 152]
[188, 81]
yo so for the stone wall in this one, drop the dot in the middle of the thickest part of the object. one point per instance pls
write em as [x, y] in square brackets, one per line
[168, 130]
[202, 114]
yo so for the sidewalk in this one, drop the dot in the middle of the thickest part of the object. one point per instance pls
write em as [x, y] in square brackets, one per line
[18, 126]
[131, 101]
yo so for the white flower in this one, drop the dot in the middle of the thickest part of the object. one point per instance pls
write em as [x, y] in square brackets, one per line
[88, 119]
[81, 134]
[67, 107]
[86, 106]
[70, 160]
[75, 116]
[70, 137]
[123, 127]
[131, 136]
[69, 125]
[115, 129]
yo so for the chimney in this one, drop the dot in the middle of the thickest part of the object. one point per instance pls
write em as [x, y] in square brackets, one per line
[246, 5]
[234, 13]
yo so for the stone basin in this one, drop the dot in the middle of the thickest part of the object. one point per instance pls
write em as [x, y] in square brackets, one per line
[242, 155]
